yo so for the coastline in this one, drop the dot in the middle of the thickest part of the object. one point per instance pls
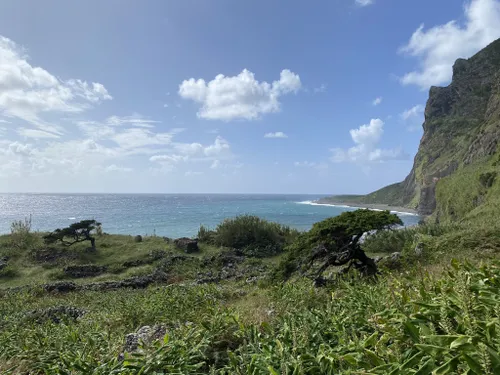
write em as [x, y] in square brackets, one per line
[370, 206]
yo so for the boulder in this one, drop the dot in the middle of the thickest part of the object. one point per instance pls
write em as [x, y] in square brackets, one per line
[144, 336]
[138, 238]
[188, 245]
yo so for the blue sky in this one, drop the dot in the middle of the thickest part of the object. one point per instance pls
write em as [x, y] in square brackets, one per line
[223, 96]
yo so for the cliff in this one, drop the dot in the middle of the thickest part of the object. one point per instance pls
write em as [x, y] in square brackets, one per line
[461, 133]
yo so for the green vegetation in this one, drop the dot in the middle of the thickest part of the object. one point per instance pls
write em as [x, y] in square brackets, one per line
[77, 232]
[448, 323]
[220, 312]
[334, 242]
[250, 234]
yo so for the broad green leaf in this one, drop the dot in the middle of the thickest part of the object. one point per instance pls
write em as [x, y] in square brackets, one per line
[426, 368]
[473, 364]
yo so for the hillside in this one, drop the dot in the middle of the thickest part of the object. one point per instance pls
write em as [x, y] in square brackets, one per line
[461, 133]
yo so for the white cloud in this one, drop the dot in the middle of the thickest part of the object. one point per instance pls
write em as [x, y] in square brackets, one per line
[139, 137]
[304, 164]
[27, 92]
[191, 173]
[377, 101]
[366, 139]
[165, 105]
[437, 48]
[134, 120]
[36, 133]
[215, 164]
[115, 168]
[238, 97]
[320, 89]
[196, 152]
[412, 112]
[364, 3]
[275, 135]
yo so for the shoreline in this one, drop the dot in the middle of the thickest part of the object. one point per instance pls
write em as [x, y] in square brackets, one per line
[369, 206]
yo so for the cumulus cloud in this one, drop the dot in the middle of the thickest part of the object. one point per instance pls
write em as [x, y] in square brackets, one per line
[364, 3]
[437, 48]
[377, 101]
[238, 97]
[196, 152]
[366, 139]
[27, 91]
[275, 135]
[413, 112]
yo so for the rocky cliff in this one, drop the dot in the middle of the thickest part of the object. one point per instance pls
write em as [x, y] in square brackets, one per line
[461, 129]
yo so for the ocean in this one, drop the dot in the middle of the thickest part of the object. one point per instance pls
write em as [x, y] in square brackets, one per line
[172, 215]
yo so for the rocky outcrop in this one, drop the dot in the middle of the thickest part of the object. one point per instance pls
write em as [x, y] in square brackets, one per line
[138, 282]
[462, 126]
[55, 314]
[86, 270]
[188, 245]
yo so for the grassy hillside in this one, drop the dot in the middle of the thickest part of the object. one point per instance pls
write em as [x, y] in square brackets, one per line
[217, 311]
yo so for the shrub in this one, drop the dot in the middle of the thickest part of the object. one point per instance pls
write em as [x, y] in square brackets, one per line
[138, 238]
[21, 236]
[205, 235]
[335, 242]
[389, 241]
[253, 235]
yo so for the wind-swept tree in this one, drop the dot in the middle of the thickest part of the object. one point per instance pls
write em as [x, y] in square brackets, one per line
[77, 232]
[335, 242]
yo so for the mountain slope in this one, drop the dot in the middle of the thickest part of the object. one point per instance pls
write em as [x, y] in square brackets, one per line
[461, 133]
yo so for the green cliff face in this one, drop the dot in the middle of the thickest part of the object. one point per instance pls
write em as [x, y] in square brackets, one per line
[459, 145]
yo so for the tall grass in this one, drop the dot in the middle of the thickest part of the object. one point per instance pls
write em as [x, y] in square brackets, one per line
[419, 324]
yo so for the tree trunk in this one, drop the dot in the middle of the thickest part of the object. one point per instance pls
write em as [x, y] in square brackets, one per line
[92, 242]
[370, 267]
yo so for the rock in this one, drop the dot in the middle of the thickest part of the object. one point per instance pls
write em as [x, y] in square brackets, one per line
[157, 254]
[144, 336]
[138, 238]
[135, 263]
[87, 270]
[187, 244]
[55, 314]
[52, 255]
[60, 287]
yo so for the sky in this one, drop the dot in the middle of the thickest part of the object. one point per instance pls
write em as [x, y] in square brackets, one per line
[223, 96]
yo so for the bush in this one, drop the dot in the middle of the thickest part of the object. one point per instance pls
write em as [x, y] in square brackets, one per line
[21, 236]
[253, 235]
[389, 241]
[205, 235]
[138, 238]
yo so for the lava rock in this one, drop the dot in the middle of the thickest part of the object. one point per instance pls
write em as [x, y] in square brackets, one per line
[87, 270]
[188, 245]
[144, 336]
[55, 314]
[61, 287]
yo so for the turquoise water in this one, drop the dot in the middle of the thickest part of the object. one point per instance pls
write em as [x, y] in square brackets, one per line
[166, 215]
